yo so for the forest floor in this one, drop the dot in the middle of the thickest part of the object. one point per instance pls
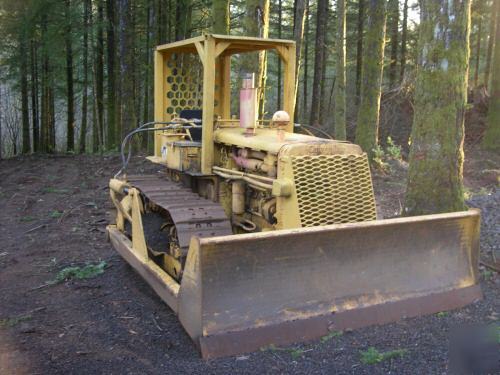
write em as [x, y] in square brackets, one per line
[53, 214]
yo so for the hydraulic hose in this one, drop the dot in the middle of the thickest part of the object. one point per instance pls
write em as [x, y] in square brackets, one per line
[181, 123]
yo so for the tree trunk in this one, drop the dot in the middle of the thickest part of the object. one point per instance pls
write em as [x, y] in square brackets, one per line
[298, 35]
[52, 120]
[436, 155]
[359, 47]
[393, 10]
[371, 80]
[319, 55]
[220, 17]
[70, 129]
[323, 84]
[147, 73]
[306, 67]
[126, 67]
[85, 47]
[99, 67]
[25, 114]
[404, 37]
[340, 79]
[256, 23]
[44, 83]
[183, 19]
[278, 90]
[111, 87]
[34, 98]
[478, 50]
[1, 139]
[491, 42]
[491, 139]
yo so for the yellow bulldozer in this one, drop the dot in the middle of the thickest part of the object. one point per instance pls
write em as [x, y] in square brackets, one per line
[255, 234]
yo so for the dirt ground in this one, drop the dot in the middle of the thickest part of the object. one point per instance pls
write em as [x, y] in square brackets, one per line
[53, 214]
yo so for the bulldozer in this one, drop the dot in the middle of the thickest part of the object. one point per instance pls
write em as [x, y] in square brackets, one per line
[254, 233]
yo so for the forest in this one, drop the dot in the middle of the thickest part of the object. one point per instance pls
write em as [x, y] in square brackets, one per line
[71, 71]
[393, 218]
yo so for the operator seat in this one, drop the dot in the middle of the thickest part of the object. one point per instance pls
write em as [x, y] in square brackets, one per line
[190, 114]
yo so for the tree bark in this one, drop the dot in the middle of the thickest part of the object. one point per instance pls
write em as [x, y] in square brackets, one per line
[44, 83]
[99, 72]
[491, 42]
[393, 11]
[359, 48]
[52, 120]
[306, 67]
[25, 116]
[478, 50]
[278, 89]
[147, 73]
[491, 139]
[340, 79]
[220, 17]
[322, 95]
[183, 19]
[126, 67]
[256, 23]
[436, 155]
[299, 17]
[85, 62]
[319, 55]
[70, 128]
[34, 98]
[404, 37]
[111, 141]
[373, 66]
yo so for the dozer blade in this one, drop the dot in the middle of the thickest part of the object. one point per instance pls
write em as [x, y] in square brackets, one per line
[243, 292]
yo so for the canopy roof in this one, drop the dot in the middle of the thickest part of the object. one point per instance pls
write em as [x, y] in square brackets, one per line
[230, 44]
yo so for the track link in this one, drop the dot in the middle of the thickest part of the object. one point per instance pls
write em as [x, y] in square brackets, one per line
[192, 215]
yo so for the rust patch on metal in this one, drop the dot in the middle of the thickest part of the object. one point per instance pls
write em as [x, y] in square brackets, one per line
[238, 342]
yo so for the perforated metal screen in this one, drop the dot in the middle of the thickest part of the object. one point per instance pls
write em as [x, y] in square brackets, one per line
[333, 189]
[184, 84]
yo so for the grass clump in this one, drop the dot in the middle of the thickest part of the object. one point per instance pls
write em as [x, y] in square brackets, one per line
[393, 150]
[11, 322]
[55, 214]
[381, 156]
[295, 353]
[442, 314]
[87, 272]
[27, 219]
[373, 356]
[53, 190]
[330, 336]
[487, 275]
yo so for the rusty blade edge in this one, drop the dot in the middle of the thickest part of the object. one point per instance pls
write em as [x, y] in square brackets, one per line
[239, 342]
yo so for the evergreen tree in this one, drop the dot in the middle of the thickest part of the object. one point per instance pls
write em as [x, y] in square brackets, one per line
[491, 138]
[436, 156]
[371, 77]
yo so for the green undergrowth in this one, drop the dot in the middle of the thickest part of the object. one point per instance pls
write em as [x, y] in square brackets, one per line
[487, 275]
[381, 156]
[79, 273]
[27, 219]
[295, 353]
[55, 214]
[372, 356]
[11, 322]
[442, 314]
[53, 190]
[330, 336]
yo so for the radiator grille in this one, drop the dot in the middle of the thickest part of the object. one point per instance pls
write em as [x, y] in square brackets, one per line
[333, 189]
